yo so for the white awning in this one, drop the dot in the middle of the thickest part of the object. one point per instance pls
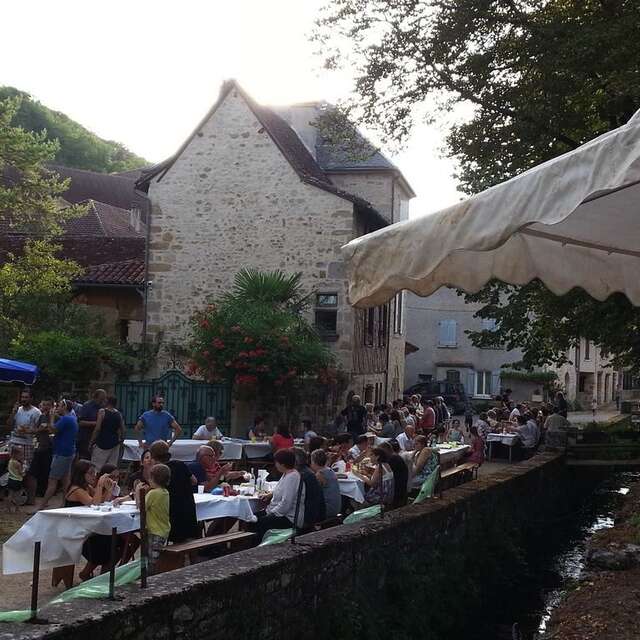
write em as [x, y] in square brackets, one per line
[573, 221]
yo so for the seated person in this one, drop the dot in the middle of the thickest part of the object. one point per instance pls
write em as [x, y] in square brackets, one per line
[477, 447]
[425, 460]
[406, 439]
[339, 452]
[360, 449]
[314, 504]
[454, 433]
[379, 478]
[328, 482]
[527, 433]
[208, 471]
[257, 431]
[280, 506]
[387, 428]
[317, 442]
[282, 438]
[207, 431]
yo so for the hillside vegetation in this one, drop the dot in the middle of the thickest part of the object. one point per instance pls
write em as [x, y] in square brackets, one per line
[79, 147]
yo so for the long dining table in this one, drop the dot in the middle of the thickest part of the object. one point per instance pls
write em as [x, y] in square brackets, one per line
[63, 531]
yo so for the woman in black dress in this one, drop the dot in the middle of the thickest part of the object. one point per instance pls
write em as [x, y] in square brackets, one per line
[87, 489]
[182, 507]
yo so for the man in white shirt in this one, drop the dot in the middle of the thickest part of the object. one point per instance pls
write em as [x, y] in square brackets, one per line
[208, 430]
[406, 439]
[23, 420]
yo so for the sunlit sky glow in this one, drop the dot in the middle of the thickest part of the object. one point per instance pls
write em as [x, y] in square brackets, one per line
[144, 73]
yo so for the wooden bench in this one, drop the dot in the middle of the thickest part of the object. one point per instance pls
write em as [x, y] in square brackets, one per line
[456, 475]
[63, 574]
[175, 556]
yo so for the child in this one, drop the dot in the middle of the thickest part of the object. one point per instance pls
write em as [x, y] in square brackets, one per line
[16, 469]
[157, 510]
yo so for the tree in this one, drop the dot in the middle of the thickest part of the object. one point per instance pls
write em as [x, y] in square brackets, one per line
[541, 78]
[256, 337]
[38, 322]
[77, 146]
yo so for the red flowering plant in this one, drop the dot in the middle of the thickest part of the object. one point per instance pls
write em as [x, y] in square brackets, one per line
[256, 337]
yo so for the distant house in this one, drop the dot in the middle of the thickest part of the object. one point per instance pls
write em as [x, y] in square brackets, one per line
[260, 187]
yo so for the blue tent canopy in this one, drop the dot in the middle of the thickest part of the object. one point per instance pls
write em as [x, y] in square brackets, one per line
[14, 371]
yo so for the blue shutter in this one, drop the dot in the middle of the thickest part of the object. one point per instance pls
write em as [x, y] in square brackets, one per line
[495, 383]
[470, 386]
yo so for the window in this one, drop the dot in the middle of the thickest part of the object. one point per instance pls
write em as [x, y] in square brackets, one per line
[447, 333]
[123, 330]
[587, 350]
[453, 376]
[582, 382]
[398, 313]
[369, 331]
[629, 382]
[383, 325]
[488, 324]
[483, 383]
[326, 314]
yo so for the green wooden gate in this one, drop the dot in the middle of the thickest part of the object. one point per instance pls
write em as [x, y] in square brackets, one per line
[189, 401]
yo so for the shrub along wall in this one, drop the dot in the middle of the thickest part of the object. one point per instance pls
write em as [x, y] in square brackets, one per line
[429, 570]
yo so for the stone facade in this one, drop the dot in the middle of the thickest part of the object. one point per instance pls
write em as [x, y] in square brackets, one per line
[232, 199]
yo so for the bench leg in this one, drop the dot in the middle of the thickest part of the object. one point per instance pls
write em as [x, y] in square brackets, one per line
[63, 574]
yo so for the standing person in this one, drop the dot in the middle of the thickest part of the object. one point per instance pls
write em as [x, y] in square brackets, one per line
[182, 506]
[157, 508]
[23, 420]
[157, 424]
[87, 420]
[476, 454]
[15, 483]
[594, 406]
[561, 404]
[65, 430]
[468, 415]
[108, 436]
[428, 420]
[208, 431]
[38, 474]
[356, 416]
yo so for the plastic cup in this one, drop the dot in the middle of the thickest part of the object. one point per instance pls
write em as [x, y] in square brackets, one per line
[200, 488]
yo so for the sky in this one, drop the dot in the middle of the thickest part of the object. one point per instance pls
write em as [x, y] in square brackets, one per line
[144, 72]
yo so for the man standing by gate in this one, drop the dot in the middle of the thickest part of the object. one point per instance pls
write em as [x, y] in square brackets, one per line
[157, 424]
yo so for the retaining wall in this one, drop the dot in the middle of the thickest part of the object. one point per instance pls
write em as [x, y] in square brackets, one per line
[421, 571]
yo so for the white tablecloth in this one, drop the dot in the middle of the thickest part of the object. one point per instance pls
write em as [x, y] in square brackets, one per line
[452, 456]
[256, 449]
[352, 487]
[62, 531]
[508, 439]
[185, 450]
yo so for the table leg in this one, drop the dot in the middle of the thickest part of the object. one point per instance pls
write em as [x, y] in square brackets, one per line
[490, 449]
[510, 451]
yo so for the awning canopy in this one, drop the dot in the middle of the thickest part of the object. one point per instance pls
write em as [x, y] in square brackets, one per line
[573, 221]
[14, 371]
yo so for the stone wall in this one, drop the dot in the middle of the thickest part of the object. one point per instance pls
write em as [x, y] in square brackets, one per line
[230, 201]
[438, 567]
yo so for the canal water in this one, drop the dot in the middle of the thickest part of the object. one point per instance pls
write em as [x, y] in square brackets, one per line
[559, 561]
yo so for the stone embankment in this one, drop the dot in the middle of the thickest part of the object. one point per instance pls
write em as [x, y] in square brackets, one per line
[430, 570]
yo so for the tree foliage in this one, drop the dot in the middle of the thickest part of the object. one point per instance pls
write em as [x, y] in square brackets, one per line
[539, 77]
[38, 322]
[77, 147]
[257, 338]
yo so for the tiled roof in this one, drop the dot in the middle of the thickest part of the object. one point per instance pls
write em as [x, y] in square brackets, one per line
[127, 272]
[104, 220]
[116, 190]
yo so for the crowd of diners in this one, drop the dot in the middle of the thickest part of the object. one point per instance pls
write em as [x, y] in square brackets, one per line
[390, 448]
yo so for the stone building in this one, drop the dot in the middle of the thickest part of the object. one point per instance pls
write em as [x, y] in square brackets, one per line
[259, 187]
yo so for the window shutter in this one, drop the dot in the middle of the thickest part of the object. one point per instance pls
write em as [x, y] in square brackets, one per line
[470, 386]
[453, 338]
[495, 383]
[442, 333]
